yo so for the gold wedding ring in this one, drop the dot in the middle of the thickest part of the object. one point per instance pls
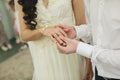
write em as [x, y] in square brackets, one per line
[55, 34]
[64, 44]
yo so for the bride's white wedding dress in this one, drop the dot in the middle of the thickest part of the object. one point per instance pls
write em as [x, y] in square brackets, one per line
[48, 63]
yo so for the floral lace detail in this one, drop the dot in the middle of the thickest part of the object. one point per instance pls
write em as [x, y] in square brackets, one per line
[54, 11]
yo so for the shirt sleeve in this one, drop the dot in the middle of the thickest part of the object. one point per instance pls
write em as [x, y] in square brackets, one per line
[83, 32]
[84, 49]
[106, 58]
[99, 56]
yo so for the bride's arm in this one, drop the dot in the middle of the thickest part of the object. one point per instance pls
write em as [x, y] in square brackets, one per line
[26, 33]
[30, 35]
[79, 11]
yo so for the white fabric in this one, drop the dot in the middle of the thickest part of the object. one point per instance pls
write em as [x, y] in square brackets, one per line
[84, 33]
[84, 48]
[48, 63]
[87, 10]
[105, 30]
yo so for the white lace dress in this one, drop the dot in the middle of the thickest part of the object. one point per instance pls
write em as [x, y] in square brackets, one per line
[48, 63]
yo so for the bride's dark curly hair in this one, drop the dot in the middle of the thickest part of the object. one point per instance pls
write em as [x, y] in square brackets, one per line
[30, 11]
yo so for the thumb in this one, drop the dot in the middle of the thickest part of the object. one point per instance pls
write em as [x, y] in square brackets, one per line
[62, 26]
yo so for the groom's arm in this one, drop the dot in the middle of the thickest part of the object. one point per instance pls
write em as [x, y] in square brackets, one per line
[83, 32]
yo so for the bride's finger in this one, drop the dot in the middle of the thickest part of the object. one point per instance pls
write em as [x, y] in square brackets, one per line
[53, 39]
[58, 39]
[62, 32]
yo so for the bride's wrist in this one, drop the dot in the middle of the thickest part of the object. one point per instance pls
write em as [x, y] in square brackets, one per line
[42, 30]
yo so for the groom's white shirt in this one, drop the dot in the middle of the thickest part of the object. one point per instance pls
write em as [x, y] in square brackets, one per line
[87, 10]
[104, 32]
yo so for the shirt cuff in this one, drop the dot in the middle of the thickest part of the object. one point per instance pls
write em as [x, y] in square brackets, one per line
[77, 32]
[84, 49]
[80, 31]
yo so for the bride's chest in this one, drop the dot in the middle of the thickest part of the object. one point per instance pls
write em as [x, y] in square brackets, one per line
[53, 5]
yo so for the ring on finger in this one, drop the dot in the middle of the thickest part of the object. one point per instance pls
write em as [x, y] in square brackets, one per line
[55, 34]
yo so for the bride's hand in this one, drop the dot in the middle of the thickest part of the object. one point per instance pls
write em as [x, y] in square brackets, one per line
[54, 33]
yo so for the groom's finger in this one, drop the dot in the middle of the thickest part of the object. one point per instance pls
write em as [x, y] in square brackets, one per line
[58, 26]
[63, 27]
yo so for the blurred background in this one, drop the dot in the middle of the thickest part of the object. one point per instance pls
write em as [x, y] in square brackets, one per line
[15, 59]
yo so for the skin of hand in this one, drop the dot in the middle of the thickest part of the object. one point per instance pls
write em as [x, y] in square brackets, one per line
[69, 30]
[88, 75]
[54, 33]
[70, 47]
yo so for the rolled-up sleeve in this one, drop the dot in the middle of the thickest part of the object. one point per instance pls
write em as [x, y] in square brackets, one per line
[83, 32]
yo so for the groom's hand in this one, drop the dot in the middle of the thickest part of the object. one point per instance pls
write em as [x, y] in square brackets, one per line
[69, 30]
[70, 47]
